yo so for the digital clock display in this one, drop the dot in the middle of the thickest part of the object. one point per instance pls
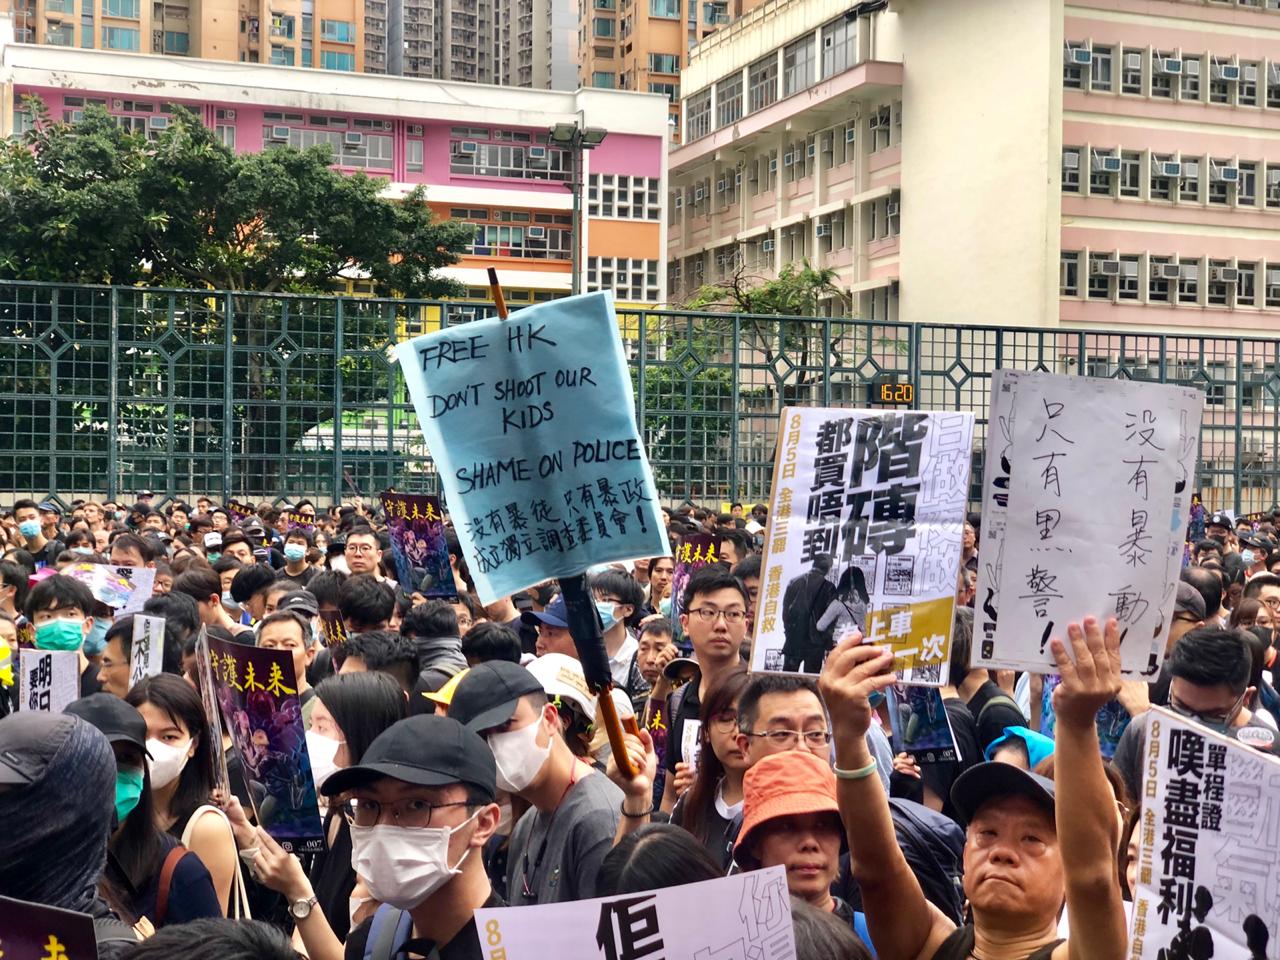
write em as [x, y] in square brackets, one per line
[888, 393]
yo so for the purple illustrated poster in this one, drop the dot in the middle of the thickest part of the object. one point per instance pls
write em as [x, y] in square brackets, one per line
[416, 526]
[34, 931]
[694, 552]
[257, 695]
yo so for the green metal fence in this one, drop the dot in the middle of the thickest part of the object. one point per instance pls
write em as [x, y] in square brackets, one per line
[105, 391]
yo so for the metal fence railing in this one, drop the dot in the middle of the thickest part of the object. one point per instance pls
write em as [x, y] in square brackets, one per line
[108, 390]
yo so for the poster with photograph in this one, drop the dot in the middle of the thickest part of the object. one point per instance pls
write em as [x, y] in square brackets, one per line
[415, 524]
[920, 724]
[865, 526]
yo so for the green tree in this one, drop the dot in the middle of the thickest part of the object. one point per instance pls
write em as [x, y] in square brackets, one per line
[91, 203]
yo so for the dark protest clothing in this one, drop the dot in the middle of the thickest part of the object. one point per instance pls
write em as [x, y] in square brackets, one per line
[555, 855]
[302, 578]
[959, 946]
[464, 946]
[993, 710]
[686, 707]
[191, 893]
[723, 823]
[333, 879]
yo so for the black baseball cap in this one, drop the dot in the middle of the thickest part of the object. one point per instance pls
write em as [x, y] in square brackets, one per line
[299, 601]
[120, 722]
[29, 740]
[988, 781]
[490, 692]
[426, 750]
[1220, 520]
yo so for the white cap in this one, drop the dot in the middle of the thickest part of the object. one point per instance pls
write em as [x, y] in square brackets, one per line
[562, 676]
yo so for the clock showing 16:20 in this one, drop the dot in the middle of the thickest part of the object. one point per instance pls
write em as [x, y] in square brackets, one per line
[887, 393]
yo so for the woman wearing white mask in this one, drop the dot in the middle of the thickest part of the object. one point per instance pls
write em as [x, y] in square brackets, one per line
[181, 770]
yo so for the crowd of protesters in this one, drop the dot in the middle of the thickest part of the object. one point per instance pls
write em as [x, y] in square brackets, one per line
[459, 752]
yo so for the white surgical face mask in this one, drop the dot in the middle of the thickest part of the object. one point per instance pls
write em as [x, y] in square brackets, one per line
[518, 756]
[166, 761]
[323, 752]
[403, 866]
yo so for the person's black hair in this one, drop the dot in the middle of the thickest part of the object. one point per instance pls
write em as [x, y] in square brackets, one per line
[174, 639]
[660, 625]
[146, 546]
[138, 847]
[454, 546]
[1256, 640]
[78, 538]
[1210, 656]
[364, 602]
[250, 580]
[21, 558]
[615, 583]
[1259, 580]
[55, 592]
[763, 684]
[25, 504]
[961, 644]
[1208, 585]
[234, 535]
[224, 563]
[743, 544]
[748, 569]
[362, 705]
[820, 936]
[698, 803]
[853, 579]
[12, 575]
[198, 583]
[430, 620]
[383, 650]
[491, 641]
[219, 939]
[710, 579]
[302, 533]
[325, 587]
[180, 700]
[655, 856]
[474, 607]
[1201, 546]
[295, 617]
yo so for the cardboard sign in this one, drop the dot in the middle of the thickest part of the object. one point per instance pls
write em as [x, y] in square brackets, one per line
[865, 526]
[50, 679]
[418, 545]
[209, 697]
[531, 421]
[146, 652]
[258, 698]
[740, 917]
[124, 589]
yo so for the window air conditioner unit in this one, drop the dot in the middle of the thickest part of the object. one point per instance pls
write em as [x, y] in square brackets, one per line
[1273, 291]
[1228, 72]
[352, 138]
[1250, 73]
[766, 246]
[228, 114]
[1133, 61]
[415, 129]
[1166, 168]
[119, 104]
[1103, 163]
[537, 233]
[468, 146]
[1077, 56]
[1273, 74]
[811, 150]
[788, 159]
[875, 122]
[157, 123]
[850, 135]
[1225, 174]
[537, 153]
[1191, 68]
[823, 230]
[773, 165]
[1169, 66]
[698, 194]
[1105, 268]
[679, 201]
[1165, 271]
[279, 133]
[892, 209]
[1224, 274]
[737, 179]
[1071, 160]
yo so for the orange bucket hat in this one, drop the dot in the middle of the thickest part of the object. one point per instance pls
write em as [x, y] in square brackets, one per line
[784, 785]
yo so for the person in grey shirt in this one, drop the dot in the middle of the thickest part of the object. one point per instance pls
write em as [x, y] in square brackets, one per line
[557, 846]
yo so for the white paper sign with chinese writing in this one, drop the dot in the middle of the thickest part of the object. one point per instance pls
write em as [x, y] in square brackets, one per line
[995, 508]
[146, 654]
[867, 515]
[743, 917]
[1097, 470]
[50, 679]
[1209, 847]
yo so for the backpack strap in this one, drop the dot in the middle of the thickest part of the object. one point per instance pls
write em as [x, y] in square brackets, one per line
[166, 880]
[390, 928]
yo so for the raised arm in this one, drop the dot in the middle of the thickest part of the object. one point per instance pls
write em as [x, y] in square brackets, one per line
[902, 923]
[1088, 828]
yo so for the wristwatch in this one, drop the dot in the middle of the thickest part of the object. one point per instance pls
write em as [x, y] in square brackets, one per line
[301, 909]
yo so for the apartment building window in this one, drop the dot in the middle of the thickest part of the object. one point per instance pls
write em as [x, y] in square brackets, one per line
[881, 126]
[669, 90]
[629, 278]
[339, 30]
[55, 6]
[1246, 284]
[698, 115]
[1131, 70]
[604, 79]
[1189, 185]
[1162, 73]
[1273, 85]
[226, 135]
[729, 100]
[1247, 186]
[1218, 287]
[468, 154]
[1219, 88]
[1192, 67]
[1158, 283]
[177, 43]
[1100, 179]
[893, 214]
[1069, 274]
[762, 83]
[727, 188]
[1188, 281]
[795, 244]
[60, 35]
[675, 273]
[1100, 69]
[282, 26]
[413, 156]
[769, 170]
[830, 232]
[603, 27]
[1130, 174]
[1070, 169]
[333, 60]
[1273, 287]
[839, 46]
[281, 56]
[1127, 288]
[623, 196]
[1072, 72]
[1162, 166]
[306, 53]
[665, 8]
[120, 38]
[1221, 175]
[1099, 282]
[1247, 88]
[664, 63]
[1273, 186]
[124, 9]
[797, 66]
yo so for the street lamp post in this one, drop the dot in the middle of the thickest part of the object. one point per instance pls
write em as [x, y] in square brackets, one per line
[576, 139]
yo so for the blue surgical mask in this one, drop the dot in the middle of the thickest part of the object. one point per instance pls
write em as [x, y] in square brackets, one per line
[607, 619]
[83, 551]
[1248, 557]
[96, 642]
[228, 599]
[293, 552]
[29, 528]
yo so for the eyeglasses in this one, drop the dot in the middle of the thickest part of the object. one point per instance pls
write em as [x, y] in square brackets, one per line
[412, 812]
[1210, 719]
[725, 721]
[709, 614]
[360, 548]
[790, 738]
[465, 621]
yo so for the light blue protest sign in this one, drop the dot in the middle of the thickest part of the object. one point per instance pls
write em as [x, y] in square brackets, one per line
[531, 423]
